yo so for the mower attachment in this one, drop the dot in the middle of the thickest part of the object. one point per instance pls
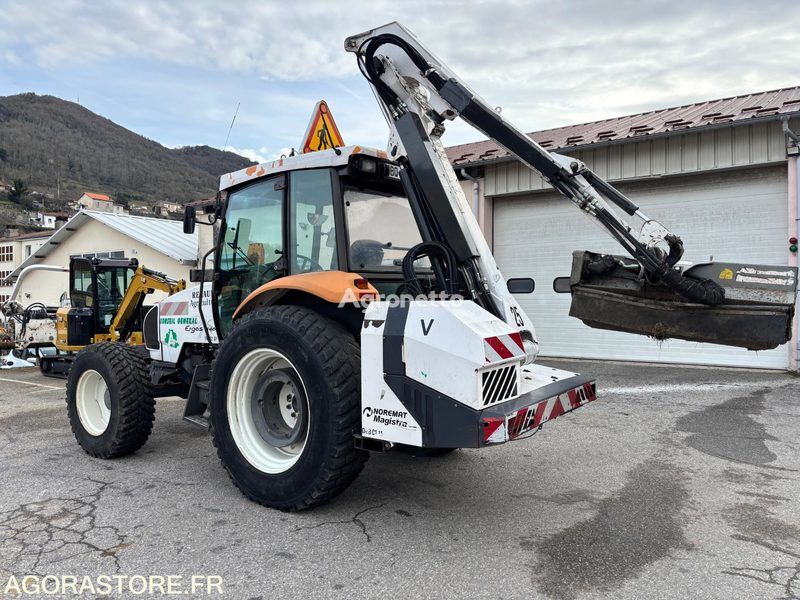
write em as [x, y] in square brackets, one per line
[608, 292]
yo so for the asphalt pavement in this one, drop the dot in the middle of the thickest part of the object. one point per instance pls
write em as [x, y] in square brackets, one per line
[676, 483]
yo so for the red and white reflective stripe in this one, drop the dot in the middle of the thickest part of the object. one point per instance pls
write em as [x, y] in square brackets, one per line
[502, 347]
[547, 410]
[530, 417]
[173, 309]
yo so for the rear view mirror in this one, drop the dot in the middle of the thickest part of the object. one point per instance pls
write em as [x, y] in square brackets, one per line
[561, 285]
[521, 285]
[189, 219]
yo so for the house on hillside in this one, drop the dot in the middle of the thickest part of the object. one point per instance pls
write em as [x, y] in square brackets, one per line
[158, 244]
[98, 202]
[48, 220]
[140, 209]
[167, 209]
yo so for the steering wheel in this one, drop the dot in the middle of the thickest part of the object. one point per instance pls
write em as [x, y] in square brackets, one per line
[304, 262]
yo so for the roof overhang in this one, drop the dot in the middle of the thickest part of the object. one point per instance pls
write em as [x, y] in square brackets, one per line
[631, 139]
[79, 219]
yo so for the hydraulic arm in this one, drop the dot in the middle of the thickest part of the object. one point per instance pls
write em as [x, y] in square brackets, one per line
[418, 93]
[145, 281]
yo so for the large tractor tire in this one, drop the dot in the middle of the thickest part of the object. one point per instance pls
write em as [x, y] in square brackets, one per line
[109, 401]
[285, 402]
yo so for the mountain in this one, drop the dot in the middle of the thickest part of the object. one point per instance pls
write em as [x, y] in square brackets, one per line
[44, 140]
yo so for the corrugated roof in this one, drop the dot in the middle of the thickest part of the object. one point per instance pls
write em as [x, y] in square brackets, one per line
[761, 105]
[162, 235]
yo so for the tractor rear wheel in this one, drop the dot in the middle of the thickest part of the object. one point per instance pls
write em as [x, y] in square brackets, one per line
[109, 401]
[284, 399]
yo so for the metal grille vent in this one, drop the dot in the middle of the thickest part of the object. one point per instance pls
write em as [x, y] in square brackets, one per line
[500, 384]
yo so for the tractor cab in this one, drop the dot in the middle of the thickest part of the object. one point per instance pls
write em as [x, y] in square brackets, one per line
[341, 210]
[96, 289]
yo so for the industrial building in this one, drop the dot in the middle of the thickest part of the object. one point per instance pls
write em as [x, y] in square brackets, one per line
[723, 174]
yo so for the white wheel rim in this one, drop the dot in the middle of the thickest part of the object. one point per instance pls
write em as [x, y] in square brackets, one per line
[93, 402]
[239, 403]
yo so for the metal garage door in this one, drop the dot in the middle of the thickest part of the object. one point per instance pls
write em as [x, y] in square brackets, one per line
[738, 215]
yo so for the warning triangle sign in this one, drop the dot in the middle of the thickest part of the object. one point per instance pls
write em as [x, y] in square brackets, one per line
[322, 133]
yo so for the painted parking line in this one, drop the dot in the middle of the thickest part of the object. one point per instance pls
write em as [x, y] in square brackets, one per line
[41, 385]
[676, 387]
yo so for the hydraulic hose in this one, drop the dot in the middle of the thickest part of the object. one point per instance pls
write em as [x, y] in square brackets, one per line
[449, 284]
[703, 291]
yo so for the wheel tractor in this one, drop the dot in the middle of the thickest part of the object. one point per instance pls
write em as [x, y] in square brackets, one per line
[353, 305]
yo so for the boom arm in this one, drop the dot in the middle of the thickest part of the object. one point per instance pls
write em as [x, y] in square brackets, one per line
[144, 282]
[417, 94]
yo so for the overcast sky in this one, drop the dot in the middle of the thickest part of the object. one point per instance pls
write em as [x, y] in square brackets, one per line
[175, 71]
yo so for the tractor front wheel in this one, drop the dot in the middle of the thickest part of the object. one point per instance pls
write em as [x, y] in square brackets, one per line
[109, 401]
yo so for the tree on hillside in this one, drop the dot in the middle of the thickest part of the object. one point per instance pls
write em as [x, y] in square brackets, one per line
[18, 191]
[3, 154]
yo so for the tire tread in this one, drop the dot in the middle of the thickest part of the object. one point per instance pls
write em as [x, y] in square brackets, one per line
[340, 357]
[130, 370]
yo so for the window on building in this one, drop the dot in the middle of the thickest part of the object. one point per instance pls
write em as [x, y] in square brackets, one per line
[4, 298]
[4, 274]
[28, 249]
[113, 254]
[6, 253]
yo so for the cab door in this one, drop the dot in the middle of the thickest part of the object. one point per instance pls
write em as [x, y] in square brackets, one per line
[313, 240]
[251, 248]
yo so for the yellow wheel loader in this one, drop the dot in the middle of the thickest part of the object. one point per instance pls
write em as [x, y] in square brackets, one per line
[105, 304]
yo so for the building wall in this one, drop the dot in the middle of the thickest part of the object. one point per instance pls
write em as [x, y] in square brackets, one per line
[676, 154]
[482, 209]
[732, 215]
[91, 237]
[20, 250]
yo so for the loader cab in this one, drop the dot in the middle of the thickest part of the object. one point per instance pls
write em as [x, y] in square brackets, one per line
[96, 289]
[349, 215]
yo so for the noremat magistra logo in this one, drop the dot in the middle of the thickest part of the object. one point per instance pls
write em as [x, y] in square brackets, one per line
[385, 416]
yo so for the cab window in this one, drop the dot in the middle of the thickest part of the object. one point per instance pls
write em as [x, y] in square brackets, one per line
[251, 252]
[381, 229]
[81, 288]
[112, 283]
[312, 225]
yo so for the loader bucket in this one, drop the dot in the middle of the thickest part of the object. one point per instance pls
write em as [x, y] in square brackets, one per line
[756, 314]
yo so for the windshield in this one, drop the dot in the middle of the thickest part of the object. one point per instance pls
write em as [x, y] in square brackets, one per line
[381, 227]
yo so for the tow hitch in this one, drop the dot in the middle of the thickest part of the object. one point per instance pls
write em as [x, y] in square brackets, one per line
[610, 292]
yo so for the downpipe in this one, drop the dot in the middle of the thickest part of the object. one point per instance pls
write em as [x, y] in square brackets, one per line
[793, 177]
[476, 206]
